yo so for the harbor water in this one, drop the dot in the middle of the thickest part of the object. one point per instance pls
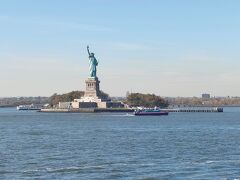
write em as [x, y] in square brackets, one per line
[119, 146]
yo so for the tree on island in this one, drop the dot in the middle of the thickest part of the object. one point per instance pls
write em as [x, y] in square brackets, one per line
[56, 98]
[146, 100]
[68, 97]
[103, 95]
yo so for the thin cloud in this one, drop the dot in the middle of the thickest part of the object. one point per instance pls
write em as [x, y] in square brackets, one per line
[132, 46]
[4, 17]
[54, 23]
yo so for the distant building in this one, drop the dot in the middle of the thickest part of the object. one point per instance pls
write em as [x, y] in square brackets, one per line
[206, 96]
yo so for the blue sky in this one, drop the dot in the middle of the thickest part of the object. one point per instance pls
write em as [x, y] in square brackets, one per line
[170, 48]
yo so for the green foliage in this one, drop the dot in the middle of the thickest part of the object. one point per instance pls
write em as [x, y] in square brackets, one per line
[146, 100]
[68, 97]
[56, 98]
[103, 95]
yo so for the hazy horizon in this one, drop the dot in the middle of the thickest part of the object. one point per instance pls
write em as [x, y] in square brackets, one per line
[169, 48]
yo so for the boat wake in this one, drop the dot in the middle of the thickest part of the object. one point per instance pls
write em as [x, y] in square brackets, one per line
[119, 115]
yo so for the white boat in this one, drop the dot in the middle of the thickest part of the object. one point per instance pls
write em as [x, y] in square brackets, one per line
[28, 107]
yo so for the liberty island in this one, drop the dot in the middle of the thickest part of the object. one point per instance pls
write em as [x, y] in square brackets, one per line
[92, 101]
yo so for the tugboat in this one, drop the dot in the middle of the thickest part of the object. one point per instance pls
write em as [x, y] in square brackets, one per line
[150, 112]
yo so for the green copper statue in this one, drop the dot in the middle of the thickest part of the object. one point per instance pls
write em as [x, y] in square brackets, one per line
[92, 64]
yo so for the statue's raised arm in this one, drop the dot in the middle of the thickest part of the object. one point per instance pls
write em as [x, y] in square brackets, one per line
[88, 50]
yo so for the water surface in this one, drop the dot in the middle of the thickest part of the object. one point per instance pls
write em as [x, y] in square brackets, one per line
[119, 145]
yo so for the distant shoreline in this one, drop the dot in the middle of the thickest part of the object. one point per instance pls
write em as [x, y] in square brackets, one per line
[7, 106]
[14, 106]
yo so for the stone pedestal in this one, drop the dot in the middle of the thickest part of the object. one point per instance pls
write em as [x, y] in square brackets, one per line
[92, 97]
[92, 88]
[92, 92]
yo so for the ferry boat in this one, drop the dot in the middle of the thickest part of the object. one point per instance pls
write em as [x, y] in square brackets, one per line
[150, 112]
[28, 107]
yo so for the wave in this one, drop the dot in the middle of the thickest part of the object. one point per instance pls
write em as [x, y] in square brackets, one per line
[64, 169]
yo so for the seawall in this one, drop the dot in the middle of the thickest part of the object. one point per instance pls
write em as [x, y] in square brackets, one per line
[86, 110]
[99, 110]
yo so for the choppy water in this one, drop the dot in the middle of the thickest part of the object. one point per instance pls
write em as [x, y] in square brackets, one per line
[119, 146]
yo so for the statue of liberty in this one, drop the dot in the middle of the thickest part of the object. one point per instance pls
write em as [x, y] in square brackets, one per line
[92, 64]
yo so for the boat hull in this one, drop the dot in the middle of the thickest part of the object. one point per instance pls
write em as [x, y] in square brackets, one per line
[151, 113]
[28, 109]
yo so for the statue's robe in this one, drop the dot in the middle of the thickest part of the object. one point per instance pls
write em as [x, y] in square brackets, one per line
[93, 66]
